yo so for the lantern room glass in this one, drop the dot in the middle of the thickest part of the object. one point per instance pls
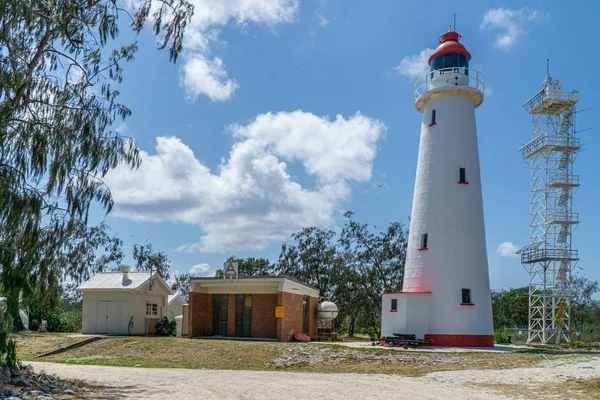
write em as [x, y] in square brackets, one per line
[458, 61]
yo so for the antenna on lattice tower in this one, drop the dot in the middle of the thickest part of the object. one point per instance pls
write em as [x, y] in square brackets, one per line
[584, 130]
[585, 109]
[547, 79]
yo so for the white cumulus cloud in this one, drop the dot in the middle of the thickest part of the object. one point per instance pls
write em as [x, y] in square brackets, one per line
[414, 66]
[511, 24]
[208, 77]
[251, 200]
[201, 270]
[205, 74]
[507, 249]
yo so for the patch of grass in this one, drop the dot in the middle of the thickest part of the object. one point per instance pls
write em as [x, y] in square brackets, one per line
[30, 345]
[413, 363]
[581, 389]
[585, 388]
[171, 353]
[245, 355]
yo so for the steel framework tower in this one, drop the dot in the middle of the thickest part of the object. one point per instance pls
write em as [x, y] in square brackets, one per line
[549, 257]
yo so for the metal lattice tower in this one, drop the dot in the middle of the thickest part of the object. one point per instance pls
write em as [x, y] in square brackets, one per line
[549, 257]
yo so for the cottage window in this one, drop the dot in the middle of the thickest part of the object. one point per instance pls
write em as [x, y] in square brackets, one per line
[151, 309]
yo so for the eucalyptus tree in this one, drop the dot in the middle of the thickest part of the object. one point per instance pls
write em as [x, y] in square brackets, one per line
[149, 260]
[352, 268]
[60, 69]
[583, 305]
[182, 284]
[378, 261]
[313, 258]
[250, 266]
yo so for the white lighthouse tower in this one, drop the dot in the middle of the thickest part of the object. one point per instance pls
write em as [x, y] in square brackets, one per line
[446, 292]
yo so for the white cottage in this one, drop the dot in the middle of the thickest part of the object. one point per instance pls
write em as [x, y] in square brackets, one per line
[176, 304]
[124, 303]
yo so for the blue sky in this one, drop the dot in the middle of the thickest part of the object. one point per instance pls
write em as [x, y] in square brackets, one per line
[285, 113]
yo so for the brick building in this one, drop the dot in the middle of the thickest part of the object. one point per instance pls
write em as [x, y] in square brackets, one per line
[266, 307]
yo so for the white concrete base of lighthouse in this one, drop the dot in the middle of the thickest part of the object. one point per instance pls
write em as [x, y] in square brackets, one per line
[410, 313]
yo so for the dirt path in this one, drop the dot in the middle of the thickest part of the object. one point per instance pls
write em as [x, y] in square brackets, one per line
[161, 383]
[547, 372]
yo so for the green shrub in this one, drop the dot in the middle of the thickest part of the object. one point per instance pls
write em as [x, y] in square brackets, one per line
[368, 331]
[164, 327]
[70, 321]
[56, 319]
[499, 337]
[11, 361]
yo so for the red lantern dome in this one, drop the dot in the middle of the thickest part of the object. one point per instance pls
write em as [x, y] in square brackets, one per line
[449, 44]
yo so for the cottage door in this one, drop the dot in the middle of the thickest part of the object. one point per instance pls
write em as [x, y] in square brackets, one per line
[101, 316]
[113, 322]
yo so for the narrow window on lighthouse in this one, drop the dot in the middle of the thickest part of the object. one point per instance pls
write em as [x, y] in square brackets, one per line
[462, 175]
[432, 118]
[423, 242]
[466, 296]
[394, 305]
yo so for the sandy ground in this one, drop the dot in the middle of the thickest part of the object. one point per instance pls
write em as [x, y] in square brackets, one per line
[163, 383]
[547, 372]
[158, 383]
[499, 348]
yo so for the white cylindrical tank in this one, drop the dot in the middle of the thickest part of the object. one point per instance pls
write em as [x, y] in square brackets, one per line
[446, 253]
[327, 311]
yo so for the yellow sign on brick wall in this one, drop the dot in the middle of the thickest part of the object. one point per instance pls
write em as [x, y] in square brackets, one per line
[278, 312]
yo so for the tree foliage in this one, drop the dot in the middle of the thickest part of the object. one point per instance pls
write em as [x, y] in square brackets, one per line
[313, 258]
[510, 308]
[60, 69]
[584, 310]
[182, 285]
[377, 261]
[89, 250]
[250, 266]
[147, 259]
[352, 269]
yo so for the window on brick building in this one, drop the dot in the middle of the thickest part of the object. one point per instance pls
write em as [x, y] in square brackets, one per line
[305, 308]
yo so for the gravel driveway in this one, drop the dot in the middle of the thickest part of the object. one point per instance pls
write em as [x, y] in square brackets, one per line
[163, 383]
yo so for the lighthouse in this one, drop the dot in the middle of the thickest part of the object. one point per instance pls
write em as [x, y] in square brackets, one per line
[446, 290]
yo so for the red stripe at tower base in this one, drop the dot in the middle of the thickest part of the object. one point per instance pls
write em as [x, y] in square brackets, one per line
[461, 340]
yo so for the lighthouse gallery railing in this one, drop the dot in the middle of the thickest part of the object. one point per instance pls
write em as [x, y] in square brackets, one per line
[464, 76]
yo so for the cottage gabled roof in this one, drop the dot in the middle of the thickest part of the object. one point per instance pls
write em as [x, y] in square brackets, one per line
[114, 281]
[175, 297]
